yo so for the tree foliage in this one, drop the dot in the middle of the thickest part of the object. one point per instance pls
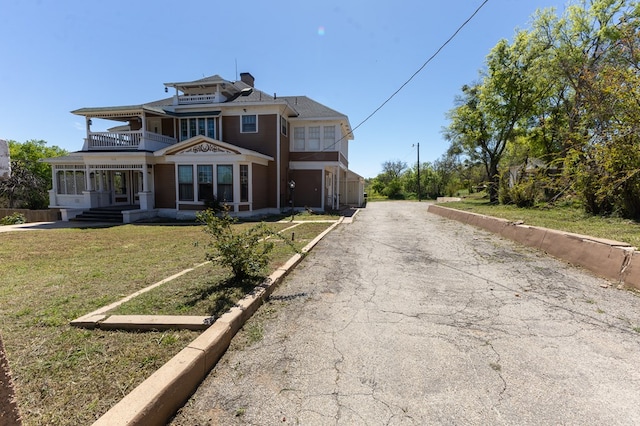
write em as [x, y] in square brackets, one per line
[30, 177]
[566, 92]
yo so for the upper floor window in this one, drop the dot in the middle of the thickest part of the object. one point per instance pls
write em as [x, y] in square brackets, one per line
[283, 126]
[249, 123]
[313, 144]
[315, 138]
[190, 127]
[298, 138]
[329, 136]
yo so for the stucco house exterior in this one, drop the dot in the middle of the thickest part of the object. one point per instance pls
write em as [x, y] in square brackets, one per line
[212, 138]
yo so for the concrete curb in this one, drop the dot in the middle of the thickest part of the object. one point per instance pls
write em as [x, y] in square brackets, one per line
[609, 259]
[158, 398]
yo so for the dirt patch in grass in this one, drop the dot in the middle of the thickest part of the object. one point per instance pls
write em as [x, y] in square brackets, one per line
[67, 376]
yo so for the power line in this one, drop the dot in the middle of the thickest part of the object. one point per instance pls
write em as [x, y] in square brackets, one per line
[455, 33]
[423, 65]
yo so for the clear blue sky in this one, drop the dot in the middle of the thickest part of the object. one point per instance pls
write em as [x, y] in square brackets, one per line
[351, 55]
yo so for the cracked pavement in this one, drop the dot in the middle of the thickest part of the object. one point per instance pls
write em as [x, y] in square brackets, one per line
[406, 318]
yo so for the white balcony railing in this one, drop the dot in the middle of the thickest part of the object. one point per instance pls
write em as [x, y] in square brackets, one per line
[128, 140]
[114, 140]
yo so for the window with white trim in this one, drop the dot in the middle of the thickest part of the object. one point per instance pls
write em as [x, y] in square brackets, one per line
[283, 126]
[328, 136]
[205, 182]
[298, 138]
[225, 182]
[70, 182]
[249, 123]
[244, 183]
[185, 182]
[190, 127]
[313, 143]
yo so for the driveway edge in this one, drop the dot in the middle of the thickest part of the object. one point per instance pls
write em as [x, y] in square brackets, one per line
[160, 396]
[609, 259]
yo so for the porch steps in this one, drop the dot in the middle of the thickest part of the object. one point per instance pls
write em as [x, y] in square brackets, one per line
[109, 215]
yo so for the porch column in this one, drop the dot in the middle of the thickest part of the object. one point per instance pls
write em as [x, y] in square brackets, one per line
[53, 192]
[145, 177]
[143, 129]
[87, 178]
[88, 138]
[145, 197]
[337, 189]
[236, 186]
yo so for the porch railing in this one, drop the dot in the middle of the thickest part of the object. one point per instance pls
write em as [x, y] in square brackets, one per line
[128, 140]
[114, 140]
[196, 99]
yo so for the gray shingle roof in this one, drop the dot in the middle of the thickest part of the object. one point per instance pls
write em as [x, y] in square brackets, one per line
[308, 108]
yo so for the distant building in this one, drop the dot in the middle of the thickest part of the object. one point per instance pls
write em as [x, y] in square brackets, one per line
[213, 138]
[5, 160]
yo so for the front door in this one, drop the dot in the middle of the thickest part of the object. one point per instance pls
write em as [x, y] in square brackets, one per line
[126, 185]
[121, 187]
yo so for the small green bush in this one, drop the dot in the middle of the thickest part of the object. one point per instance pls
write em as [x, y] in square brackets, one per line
[246, 251]
[13, 219]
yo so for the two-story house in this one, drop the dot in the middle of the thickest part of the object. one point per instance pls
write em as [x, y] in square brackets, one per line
[212, 138]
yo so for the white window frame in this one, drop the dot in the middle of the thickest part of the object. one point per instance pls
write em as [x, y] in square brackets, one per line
[242, 130]
[303, 140]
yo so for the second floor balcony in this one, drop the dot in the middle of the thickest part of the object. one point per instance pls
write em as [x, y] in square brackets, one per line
[127, 141]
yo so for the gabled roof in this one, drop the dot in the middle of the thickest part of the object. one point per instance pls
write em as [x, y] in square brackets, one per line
[200, 139]
[307, 108]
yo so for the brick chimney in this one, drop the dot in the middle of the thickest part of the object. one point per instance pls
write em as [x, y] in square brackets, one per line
[247, 78]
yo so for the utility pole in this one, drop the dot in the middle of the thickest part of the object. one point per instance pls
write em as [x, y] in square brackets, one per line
[418, 171]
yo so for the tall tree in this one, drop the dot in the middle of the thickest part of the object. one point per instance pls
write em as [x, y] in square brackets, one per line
[30, 177]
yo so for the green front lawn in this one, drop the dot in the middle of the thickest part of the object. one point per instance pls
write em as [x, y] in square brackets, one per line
[69, 376]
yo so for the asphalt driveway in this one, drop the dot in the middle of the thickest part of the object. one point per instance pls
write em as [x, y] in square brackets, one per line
[405, 318]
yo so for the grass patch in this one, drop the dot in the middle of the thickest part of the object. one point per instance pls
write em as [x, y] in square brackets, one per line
[569, 218]
[65, 375]
[210, 290]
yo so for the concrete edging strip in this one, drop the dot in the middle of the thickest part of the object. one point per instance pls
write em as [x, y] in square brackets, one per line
[609, 259]
[158, 397]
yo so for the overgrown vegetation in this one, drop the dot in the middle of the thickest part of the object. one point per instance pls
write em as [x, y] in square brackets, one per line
[30, 177]
[565, 93]
[553, 116]
[13, 219]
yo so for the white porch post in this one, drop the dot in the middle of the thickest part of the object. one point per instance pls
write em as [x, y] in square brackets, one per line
[337, 190]
[143, 129]
[236, 186]
[250, 180]
[85, 147]
[53, 192]
[87, 178]
[323, 193]
[145, 178]
[146, 196]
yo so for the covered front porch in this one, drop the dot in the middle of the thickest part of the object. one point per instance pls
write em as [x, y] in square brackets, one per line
[80, 184]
